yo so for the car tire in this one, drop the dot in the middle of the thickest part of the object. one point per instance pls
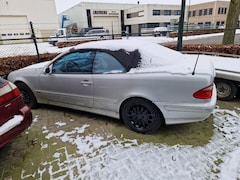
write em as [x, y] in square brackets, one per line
[54, 43]
[226, 90]
[27, 95]
[141, 115]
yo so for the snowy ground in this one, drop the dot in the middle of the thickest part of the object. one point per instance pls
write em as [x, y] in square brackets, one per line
[122, 158]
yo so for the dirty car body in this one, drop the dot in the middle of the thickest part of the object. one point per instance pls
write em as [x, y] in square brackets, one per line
[15, 116]
[144, 84]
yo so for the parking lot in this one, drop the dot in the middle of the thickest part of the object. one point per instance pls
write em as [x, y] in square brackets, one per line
[68, 144]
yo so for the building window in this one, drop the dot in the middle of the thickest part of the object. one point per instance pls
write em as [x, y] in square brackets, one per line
[222, 10]
[194, 13]
[207, 25]
[200, 13]
[167, 12]
[156, 12]
[149, 25]
[210, 11]
[189, 13]
[205, 12]
[100, 12]
[177, 12]
[135, 14]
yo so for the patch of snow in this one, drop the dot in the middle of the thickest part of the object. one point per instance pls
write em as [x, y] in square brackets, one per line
[57, 134]
[59, 124]
[57, 155]
[35, 119]
[15, 121]
[230, 169]
[44, 146]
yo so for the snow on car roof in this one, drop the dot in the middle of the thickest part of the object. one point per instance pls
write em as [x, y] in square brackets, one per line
[147, 49]
[154, 57]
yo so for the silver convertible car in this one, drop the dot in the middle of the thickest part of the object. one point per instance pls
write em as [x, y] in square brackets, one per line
[144, 84]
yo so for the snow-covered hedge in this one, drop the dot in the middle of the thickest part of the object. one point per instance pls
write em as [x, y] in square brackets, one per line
[233, 49]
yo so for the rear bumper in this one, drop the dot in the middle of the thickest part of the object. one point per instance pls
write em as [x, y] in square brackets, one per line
[15, 126]
[188, 112]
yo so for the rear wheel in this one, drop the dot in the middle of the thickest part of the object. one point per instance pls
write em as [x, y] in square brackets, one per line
[141, 115]
[27, 95]
[226, 90]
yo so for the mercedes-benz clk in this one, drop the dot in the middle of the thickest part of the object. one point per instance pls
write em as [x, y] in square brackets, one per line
[144, 84]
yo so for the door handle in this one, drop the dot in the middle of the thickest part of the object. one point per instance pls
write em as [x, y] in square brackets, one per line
[86, 83]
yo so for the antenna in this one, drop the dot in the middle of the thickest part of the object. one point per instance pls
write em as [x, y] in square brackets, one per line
[194, 69]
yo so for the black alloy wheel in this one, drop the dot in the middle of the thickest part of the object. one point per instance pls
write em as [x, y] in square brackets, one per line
[141, 116]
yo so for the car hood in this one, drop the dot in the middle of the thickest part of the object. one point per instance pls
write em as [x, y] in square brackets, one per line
[32, 70]
[37, 66]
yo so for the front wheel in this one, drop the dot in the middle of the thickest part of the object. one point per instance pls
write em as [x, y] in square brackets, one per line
[226, 90]
[27, 95]
[141, 116]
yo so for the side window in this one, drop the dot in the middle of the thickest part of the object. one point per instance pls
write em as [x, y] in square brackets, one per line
[74, 63]
[106, 63]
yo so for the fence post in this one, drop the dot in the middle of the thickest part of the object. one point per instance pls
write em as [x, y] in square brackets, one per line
[35, 41]
[180, 26]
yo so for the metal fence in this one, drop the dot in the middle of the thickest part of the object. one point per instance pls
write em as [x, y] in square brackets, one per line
[33, 45]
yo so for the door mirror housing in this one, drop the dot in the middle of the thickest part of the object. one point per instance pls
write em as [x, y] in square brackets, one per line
[47, 70]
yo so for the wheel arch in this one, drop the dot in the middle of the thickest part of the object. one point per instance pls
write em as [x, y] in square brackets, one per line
[139, 97]
[21, 82]
[237, 83]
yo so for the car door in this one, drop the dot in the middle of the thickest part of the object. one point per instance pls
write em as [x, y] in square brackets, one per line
[109, 81]
[70, 80]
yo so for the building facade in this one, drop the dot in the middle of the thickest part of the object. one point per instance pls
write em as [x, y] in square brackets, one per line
[136, 18]
[208, 15]
[143, 18]
[15, 16]
[86, 14]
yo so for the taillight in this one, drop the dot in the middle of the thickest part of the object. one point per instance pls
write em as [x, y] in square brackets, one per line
[204, 93]
[8, 92]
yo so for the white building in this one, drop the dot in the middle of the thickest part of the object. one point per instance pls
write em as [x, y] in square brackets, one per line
[107, 15]
[15, 16]
[116, 17]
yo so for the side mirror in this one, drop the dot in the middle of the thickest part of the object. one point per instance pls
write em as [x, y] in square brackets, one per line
[47, 70]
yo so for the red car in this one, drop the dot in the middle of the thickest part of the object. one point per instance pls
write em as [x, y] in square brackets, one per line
[15, 116]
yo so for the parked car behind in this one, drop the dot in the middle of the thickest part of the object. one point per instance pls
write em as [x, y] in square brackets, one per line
[15, 116]
[144, 84]
[160, 31]
[85, 30]
[101, 33]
